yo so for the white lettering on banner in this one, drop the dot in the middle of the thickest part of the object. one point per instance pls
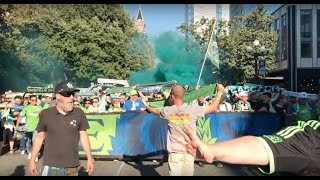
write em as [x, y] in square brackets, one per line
[258, 88]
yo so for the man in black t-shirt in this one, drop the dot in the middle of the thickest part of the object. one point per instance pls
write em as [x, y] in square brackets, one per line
[63, 126]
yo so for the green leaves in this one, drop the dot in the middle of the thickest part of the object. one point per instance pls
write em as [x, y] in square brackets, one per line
[77, 42]
[204, 132]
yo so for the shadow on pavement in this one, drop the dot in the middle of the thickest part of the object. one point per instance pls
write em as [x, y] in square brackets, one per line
[19, 171]
[149, 170]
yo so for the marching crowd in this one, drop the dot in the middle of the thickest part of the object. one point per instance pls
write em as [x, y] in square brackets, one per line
[20, 115]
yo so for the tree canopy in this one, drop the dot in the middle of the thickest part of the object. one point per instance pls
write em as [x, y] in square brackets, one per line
[74, 42]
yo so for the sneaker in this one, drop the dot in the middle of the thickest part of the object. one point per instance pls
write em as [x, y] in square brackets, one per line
[22, 152]
[29, 156]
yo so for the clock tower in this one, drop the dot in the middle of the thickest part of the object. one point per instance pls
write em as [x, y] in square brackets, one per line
[139, 22]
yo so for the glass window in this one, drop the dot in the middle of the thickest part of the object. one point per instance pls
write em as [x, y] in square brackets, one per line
[218, 11]
[284, 37]
[318, 31]
[306, 33]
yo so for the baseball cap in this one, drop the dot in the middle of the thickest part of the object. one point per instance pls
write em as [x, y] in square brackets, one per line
[243, 93]
[64, 87]
[133, 92]
[48, 95]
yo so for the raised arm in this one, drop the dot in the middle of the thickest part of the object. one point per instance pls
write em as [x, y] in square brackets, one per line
[213, 107]
[149, 108]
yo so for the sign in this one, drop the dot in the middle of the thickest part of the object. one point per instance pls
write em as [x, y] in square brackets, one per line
[262, 67]
[253, 88]
[39, 90]
[262, 72]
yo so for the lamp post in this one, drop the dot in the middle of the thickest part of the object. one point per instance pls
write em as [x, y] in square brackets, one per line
[256, 53]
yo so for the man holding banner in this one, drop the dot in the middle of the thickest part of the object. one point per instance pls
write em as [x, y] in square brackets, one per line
[179, 114]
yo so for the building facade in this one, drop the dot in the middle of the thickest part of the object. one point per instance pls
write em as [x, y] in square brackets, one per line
[216, 11]
[243, 9]
[298, 49]
[194, 12]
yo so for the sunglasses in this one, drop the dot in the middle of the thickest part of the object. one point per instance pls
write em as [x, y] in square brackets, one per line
[87, 103]
[65, 94]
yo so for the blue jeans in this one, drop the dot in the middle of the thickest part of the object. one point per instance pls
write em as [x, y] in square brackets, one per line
[23, 141]
[29, 138]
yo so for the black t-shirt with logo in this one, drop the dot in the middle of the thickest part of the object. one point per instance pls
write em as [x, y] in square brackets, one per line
[61, 136]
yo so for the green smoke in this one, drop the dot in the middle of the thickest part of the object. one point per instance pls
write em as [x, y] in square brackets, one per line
[175, 63]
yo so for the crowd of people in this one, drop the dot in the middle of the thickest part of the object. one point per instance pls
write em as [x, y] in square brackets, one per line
[26, 119]
[301, 107]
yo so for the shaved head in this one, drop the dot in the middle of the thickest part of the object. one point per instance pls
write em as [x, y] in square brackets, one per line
[178, 91]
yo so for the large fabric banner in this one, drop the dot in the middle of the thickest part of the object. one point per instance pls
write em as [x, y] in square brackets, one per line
[144, 134]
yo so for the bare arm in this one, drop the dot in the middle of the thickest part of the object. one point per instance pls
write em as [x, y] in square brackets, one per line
[36, 146]
[149, 108]
[18, 122]
[275, 97]
[87, 149]
[243, 150]
[213, 107]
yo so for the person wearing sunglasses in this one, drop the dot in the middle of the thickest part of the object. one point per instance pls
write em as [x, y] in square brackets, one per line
[94, 107]
[31, 112]
[62, 127]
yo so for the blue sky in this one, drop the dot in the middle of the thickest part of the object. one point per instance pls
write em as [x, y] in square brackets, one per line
[159, 17]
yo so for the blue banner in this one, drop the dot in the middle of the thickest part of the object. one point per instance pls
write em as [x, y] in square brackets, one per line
[144, 134]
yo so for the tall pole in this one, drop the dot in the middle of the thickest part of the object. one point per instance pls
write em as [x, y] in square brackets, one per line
[256, 66]
[205, 57]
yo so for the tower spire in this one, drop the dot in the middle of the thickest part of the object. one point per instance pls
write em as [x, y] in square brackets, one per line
[139, 15]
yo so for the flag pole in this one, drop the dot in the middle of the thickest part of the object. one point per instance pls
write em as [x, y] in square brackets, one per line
[205, 57]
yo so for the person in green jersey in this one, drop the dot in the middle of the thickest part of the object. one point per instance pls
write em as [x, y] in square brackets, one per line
[48, 99]
[31, 111]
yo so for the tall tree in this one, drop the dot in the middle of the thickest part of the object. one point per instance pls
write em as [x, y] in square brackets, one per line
[236, 64]
[141, 53]
[86, 41]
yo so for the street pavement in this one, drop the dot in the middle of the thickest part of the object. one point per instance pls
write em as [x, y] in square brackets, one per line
[16, 165]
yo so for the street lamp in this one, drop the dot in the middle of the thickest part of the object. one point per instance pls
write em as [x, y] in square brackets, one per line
[256, 53]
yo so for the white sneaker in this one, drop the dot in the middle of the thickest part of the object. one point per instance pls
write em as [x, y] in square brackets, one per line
[22, 152]
[29, 156]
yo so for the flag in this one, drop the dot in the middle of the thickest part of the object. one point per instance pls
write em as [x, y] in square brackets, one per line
[213, 51]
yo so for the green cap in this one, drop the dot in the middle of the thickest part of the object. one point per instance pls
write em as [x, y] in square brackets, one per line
[133, 92]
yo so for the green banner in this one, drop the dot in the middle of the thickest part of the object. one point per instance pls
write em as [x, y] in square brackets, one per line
[39, 90]
[102, 128]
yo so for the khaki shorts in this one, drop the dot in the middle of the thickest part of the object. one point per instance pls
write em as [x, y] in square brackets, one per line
[181, 164]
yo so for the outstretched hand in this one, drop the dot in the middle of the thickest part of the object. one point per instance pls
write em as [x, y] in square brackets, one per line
[143, 98]
[193, 145]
